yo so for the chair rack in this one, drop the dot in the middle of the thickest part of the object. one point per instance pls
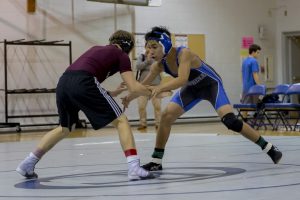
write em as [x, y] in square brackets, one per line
[41, 42]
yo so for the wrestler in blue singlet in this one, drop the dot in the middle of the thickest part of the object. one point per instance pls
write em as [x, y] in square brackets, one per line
[204, 84]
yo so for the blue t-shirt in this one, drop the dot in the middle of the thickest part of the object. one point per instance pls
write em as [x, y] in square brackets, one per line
[250, 65]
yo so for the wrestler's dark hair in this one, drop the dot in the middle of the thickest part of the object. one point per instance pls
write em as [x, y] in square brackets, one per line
[154, 33]
[124, 39]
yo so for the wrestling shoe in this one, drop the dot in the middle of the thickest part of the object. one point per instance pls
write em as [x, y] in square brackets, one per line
[26, 167]
[273, 152]
[152, 166]
[136, 172]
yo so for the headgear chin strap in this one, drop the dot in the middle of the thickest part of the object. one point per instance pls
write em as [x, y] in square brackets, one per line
[164, 40]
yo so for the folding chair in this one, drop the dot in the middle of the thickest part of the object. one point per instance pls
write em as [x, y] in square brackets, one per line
[267, 111]
[281, 89]
[283, 107]
[254, 91]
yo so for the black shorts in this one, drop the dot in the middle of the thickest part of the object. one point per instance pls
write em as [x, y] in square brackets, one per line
[78, 90]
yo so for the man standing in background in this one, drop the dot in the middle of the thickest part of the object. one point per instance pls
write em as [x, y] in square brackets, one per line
[250, 75]
[143, 65]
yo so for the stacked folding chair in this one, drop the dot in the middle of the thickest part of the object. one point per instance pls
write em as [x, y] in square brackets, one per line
[270, 107]
[254, 91]
[284, 107]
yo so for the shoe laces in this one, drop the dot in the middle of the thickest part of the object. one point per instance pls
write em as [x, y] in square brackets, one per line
[275, 148]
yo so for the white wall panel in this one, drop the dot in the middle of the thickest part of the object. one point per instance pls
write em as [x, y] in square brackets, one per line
[224, 22]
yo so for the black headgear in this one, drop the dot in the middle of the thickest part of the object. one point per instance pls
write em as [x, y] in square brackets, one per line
[124, 39]
[126, 45]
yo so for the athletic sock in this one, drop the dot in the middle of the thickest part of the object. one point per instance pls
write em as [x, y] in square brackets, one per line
[130, 152]
[32, 156]
[157, 155]
[261, 142]
[131, 155]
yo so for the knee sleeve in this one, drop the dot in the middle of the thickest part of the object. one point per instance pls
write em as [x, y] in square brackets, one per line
[232, 123]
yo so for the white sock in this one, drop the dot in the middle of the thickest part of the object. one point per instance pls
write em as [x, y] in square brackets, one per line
[133, 159]
[157, 160]
[33, 156]
[267, 147]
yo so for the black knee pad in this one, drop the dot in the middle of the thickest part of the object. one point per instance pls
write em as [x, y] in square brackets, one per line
[232, 123]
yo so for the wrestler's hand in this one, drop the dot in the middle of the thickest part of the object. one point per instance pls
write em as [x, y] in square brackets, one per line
[155, 90]
[126, 100]
[158, 93]
[122, 86]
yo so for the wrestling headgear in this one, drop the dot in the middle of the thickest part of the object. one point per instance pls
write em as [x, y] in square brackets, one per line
[163, 39]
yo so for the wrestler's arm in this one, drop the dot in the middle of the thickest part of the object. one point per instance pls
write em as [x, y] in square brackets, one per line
[183, 74]
[155, 71]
